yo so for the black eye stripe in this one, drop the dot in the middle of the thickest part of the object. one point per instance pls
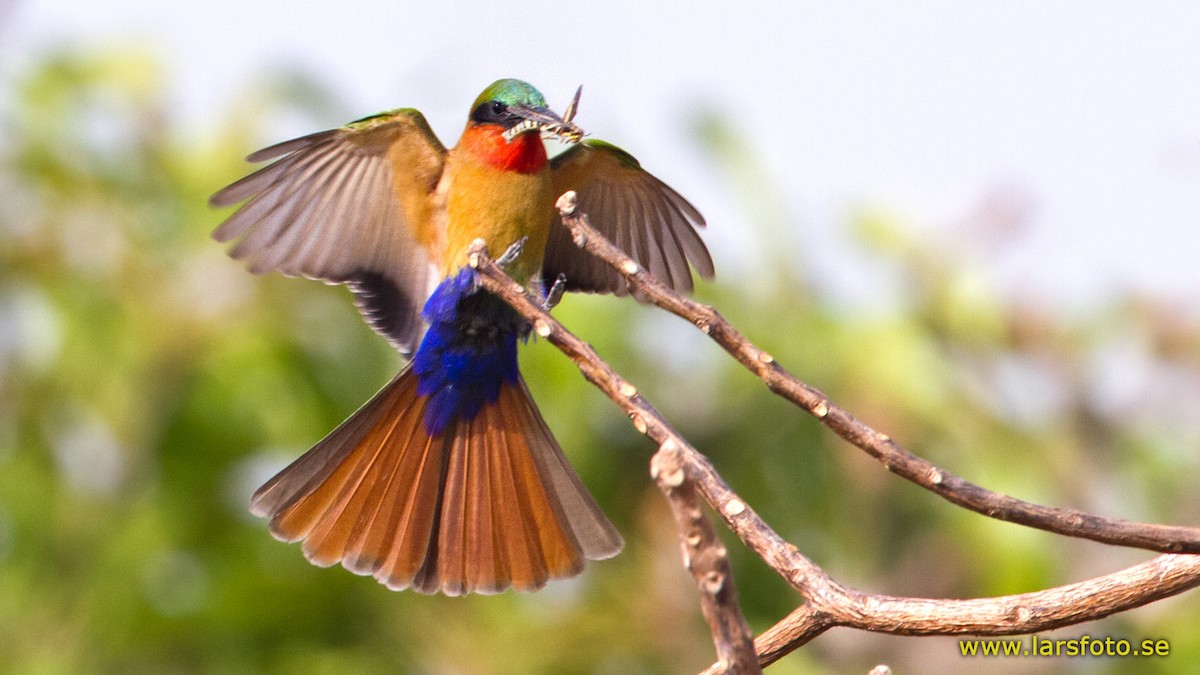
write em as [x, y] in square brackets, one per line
[493, 112]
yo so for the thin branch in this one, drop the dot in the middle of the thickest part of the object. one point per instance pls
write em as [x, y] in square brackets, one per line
[795, 630]
[708, 561]
[1155, 579]
[827, 602]
[733, 648]
[1064, 521]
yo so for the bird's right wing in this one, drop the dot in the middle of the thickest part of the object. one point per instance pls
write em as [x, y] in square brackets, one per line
[637, 212]
[350, 206]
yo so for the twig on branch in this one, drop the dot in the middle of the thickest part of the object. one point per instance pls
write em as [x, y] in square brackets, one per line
[1065, 521]
[705, 556]
[827, 602]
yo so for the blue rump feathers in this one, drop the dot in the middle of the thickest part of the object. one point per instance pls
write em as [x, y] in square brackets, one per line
[469, 352]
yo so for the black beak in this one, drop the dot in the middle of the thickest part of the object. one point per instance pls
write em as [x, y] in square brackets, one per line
[548, 121]
[544, 117]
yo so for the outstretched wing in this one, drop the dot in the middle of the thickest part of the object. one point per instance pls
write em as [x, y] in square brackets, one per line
[639, 213]
[347, 206]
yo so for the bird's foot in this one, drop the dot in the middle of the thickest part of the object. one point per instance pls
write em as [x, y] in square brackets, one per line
[555, 294]
[512, 253]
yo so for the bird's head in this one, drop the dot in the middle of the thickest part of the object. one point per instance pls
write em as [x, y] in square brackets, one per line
[518, 108]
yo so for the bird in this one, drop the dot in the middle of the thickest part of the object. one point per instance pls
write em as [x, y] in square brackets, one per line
[448, 480]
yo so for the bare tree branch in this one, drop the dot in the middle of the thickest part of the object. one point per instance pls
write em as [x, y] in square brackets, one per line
[679, 469]
[705, 556]
[1064, 521]
[1153, 580]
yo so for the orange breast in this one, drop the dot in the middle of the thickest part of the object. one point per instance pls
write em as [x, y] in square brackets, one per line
[499, 192]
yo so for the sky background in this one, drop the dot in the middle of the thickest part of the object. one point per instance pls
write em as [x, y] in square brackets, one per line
[1085, 118]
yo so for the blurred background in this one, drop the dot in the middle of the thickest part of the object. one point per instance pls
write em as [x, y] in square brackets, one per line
[976, 229]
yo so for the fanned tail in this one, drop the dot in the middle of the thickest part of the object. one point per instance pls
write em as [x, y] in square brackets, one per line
[488, 503]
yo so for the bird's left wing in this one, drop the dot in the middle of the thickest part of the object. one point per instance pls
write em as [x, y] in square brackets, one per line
[347, 206]
[637, 212]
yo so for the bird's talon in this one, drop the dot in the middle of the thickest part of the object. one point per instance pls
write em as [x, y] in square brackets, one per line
[554, 296]
[512, 253]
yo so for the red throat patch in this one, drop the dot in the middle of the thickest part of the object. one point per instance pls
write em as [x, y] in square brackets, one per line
[524, 154]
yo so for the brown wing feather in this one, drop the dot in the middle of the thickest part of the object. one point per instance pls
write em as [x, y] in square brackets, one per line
[348, 206]
[640, 214]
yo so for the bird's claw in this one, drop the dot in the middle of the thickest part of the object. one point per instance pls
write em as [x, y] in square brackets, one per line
[512, 253]
[555, 294]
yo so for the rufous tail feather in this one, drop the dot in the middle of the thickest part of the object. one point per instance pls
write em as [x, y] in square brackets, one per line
[487, 504]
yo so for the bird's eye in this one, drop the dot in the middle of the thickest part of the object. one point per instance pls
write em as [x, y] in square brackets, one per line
[488, 112]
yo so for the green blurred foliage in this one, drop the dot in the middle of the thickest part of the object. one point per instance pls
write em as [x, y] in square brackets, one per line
[148, 384]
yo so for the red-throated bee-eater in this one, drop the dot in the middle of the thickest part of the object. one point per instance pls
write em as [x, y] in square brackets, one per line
[448, 479]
